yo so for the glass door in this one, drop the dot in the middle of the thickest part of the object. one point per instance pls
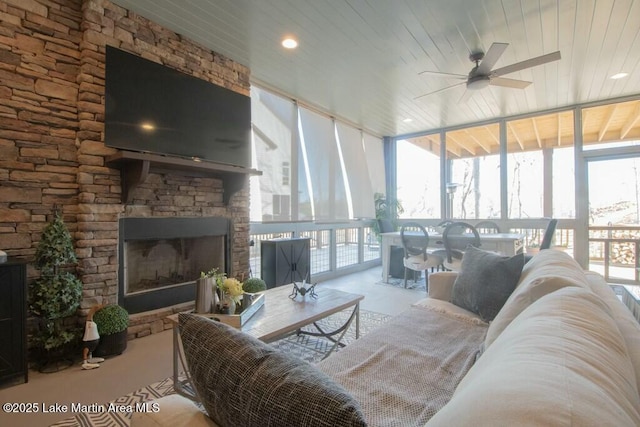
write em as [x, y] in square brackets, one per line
[614, 217]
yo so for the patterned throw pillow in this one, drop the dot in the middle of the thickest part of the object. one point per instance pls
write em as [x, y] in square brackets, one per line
[485, 281]
[245, 382]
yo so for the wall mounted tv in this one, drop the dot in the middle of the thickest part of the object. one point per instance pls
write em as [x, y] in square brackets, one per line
[156, 109]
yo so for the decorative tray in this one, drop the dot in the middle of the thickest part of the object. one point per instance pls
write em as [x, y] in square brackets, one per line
[237, 320]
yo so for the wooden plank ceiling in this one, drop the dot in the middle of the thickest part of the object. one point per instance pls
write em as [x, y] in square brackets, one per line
[361, 60]
[602, 124]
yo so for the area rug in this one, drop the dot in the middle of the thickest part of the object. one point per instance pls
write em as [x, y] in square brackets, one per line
[311, 349]
[419, 285]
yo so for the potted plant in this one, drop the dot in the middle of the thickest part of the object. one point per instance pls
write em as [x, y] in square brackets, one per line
[385, 210]
[251, 286]
[55, 296]
[230, 292]
[112, 321]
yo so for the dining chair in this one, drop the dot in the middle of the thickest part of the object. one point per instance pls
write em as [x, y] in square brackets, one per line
[487, 227]
[416, 257]
[456, 238]
[548, 234]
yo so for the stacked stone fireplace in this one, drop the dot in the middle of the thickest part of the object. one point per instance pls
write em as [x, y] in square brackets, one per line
[53, 152]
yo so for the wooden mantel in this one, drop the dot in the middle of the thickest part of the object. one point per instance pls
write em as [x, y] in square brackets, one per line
[135, 167]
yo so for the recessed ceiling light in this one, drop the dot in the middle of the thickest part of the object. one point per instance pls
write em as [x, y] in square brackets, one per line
[407, 120]
[148, 126]
[290, 43]
[619, 76]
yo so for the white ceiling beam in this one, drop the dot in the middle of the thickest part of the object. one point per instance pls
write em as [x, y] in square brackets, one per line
[469, 147]
[484, 146]
[495, 137]
[515, 135]
[633, 119]
[605, 126]
[535, 131]
[454, 149]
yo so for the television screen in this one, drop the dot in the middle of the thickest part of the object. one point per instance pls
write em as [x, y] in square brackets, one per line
[156, 109]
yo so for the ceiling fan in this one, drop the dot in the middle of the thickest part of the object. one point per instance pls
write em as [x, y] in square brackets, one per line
[482, 75]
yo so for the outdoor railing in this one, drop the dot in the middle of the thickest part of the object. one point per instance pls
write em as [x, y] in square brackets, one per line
[613, 252]
[336, 248]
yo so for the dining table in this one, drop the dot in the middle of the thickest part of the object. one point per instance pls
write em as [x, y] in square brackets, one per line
[507, 244]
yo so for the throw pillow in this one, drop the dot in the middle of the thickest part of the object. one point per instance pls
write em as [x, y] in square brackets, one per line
[485, 281]
[547, 272]
[242, 381]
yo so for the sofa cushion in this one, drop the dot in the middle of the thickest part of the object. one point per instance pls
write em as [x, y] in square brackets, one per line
[561, 362]
[546, 272]
[449, 309]
[627, 323]
[172, 410]
[485, 281]
[243, 381]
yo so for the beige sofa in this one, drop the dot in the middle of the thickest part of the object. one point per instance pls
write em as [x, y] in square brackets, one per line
[562, 351]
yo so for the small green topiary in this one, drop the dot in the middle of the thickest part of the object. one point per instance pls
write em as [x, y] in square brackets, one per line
[111, 319]
[253, 285]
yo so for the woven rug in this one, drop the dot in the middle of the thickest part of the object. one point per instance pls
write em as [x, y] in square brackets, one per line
[311, 349]
[419, 285]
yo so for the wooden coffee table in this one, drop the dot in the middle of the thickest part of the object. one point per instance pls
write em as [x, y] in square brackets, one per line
[279, 317]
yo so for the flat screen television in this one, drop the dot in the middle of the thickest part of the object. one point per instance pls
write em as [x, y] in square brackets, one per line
[154, 108]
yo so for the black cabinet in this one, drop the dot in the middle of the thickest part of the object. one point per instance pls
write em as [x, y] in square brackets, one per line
[13, 315]
[284, 261]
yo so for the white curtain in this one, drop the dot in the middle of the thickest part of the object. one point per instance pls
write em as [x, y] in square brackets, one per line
[374, 153]
[324, 170]
[274, 130]
[357, 171]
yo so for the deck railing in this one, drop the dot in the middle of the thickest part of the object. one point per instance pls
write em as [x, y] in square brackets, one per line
[336, 248]
[613, 252]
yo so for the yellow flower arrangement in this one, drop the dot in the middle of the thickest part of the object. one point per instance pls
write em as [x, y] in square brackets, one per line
[228, 286]
[232, 287]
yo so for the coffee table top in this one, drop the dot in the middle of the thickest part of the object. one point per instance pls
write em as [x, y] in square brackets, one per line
[282, 315]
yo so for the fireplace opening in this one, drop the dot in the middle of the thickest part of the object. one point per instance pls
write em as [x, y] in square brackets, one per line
[158, 263]
[161, 258]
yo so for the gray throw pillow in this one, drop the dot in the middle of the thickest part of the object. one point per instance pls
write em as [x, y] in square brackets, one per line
[485, 281]
[245, 382]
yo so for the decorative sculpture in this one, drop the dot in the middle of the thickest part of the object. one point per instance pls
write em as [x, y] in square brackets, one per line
[90, 341]
[302, 289]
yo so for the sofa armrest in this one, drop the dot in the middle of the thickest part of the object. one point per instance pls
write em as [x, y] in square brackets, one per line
[172, 411]
[441, 285]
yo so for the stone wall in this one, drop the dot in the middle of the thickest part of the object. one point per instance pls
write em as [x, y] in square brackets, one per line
[52, 151]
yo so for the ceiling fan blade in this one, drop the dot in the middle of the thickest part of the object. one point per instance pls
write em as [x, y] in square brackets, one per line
[491, 57]
[466, 96]
[439, 74]
[532, 62]
[504, 82]
[439, 90]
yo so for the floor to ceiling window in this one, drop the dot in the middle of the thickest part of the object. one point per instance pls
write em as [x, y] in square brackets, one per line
[418, 175]
[473, 188]
[611, 135]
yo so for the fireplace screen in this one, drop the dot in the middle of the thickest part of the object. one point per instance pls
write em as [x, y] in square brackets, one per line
[160, 263]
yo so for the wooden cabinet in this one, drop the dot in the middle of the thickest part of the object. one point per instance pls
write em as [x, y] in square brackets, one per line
[13, 315]
[284, 261]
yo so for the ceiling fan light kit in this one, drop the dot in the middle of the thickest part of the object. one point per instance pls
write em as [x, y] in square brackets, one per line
[482, 74]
